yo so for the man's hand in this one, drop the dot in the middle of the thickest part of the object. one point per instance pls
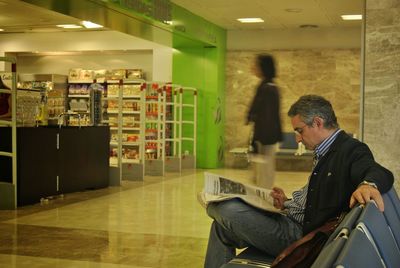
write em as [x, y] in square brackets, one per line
[365, 193]
[279, 197]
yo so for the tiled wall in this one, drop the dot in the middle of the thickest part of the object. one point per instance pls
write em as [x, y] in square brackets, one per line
[332, 73]
[382, 89]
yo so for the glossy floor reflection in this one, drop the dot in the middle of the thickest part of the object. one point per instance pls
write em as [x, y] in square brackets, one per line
[156, 223]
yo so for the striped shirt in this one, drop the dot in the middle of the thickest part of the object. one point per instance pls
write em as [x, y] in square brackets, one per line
[296, 206]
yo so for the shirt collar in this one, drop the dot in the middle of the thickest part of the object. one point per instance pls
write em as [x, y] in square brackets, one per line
[324, 146]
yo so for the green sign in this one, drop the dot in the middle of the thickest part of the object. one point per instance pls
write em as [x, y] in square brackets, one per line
[159, 10]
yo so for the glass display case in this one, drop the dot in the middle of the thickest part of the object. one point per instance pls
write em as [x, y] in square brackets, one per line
[41, 98]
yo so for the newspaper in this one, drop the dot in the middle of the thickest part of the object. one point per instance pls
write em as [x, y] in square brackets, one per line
[218, 188]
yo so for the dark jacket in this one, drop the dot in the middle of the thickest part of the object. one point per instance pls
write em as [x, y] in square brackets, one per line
[4, 103]
[337, 175]
[264, 112]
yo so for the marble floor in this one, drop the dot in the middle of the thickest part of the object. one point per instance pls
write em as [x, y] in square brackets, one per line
[156, 223]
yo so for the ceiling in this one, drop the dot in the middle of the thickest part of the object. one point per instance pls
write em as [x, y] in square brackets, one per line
[17, 16]
[275, 13]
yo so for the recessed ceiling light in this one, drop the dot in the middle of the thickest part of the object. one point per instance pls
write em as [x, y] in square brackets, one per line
[351, 17]
[91, 25]
[250, 20]
[69, 26]
[294, 10]
[1, 30]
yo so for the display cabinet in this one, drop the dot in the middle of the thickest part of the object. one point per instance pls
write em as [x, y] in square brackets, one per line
[41, 98]
[79, 102]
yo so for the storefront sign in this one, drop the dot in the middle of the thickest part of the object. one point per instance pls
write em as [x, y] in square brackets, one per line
[159, 10]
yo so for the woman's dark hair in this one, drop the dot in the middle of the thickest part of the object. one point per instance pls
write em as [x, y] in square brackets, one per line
[267, 65]
[310, 106]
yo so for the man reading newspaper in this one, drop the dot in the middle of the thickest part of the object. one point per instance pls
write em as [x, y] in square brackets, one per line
[344, 173]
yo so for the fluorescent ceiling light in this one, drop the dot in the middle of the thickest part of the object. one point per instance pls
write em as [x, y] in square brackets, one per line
[91, 25]
[69, 26]
[250, 20]
[351, 17]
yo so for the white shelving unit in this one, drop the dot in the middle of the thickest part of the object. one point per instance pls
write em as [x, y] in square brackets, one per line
[8, 190]
[125, 115]
[155, 129]
[173, 150]
[188, 126]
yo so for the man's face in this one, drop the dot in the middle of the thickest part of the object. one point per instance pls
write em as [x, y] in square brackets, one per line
[308, 135]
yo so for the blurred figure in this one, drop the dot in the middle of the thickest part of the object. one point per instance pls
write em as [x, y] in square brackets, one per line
[264, 112]
[5, 102]
[5, 106]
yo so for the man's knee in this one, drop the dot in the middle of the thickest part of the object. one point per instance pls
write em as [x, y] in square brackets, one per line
[225, 209]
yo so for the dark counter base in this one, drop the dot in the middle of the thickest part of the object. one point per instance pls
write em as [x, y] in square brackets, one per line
[80, 161]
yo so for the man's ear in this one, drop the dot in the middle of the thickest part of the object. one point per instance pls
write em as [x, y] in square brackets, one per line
[319, 122]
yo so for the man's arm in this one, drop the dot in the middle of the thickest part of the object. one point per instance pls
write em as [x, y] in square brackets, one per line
[372, 179]
[364, 168]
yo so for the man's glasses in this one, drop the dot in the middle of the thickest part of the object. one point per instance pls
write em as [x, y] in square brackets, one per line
[299, 130]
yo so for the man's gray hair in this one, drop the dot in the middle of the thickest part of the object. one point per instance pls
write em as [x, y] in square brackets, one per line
[311, 106]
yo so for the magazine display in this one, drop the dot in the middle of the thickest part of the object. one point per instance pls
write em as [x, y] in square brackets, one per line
[218, 188]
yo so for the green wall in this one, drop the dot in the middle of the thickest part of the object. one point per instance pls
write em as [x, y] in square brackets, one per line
[199, 61]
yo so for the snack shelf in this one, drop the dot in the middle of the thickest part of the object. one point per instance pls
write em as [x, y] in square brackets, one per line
[124, 112]
[124, 97]
[155, 129]
[81, 81]
[78, 96]
[85, 97]
[123, 101]
[127, 143]
[126, 128]
[114, 161]
[41, 98]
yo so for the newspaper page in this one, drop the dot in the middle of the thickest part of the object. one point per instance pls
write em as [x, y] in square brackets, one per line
[218, 188]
